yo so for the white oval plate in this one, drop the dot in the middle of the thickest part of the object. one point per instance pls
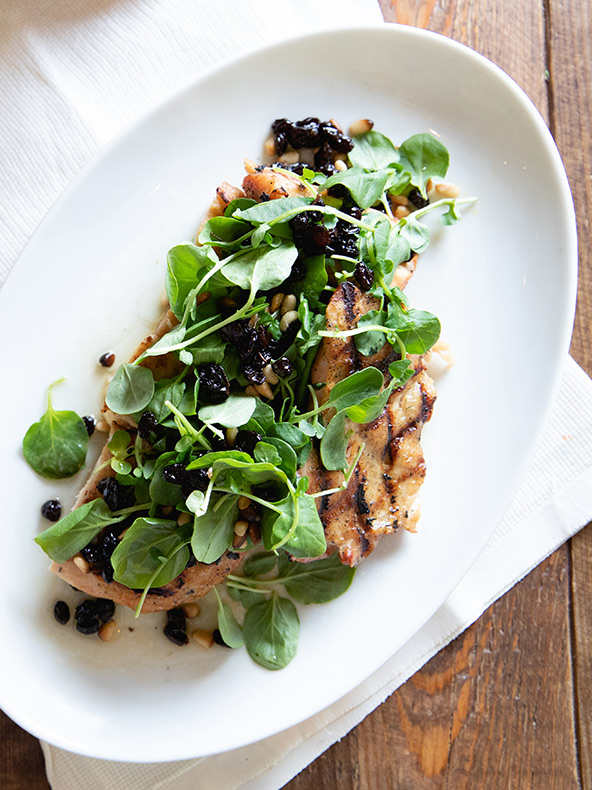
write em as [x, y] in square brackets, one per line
[502, 282]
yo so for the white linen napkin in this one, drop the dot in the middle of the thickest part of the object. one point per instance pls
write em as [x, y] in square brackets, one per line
[72, 74]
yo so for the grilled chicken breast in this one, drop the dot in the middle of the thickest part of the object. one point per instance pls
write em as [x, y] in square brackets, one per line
[381, 494]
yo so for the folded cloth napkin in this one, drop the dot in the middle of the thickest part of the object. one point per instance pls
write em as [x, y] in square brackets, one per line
[72, 74]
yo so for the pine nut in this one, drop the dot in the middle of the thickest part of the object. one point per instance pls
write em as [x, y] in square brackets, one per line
[265, 390]
[241, 527]
[447, 190]
[243, 502]
[360, 126]
[269, 146]
[231, 434]
[399, 200]
[202, 297]
[287, 319]
[289, 158]
[184, 518]
[276, 302]
[81, 564]
[102, 426]
[289, 302]
[191, 610]
[203, 638]
[254, 533]
[429, 184]
[340, 165]
[107, 631]
[270, 376]
[250, 390]
[402, 211]
[238, 541]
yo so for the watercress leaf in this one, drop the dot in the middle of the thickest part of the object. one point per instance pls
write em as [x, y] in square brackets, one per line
[416, 233]
[310, 324]
[287, 460]
[288, 433]
[164, 390]
[308, 539]
[259, 235]
[319, 581]
[421, 333]
[235, 411]
[152, 553]
[260, 564]
[209, 459]
[183, 263]
[365, 188]
[75, 530]
[55, 447]
[451, 216]
[398, 250]
[131, 389]
[223, 229]
[264, 415]
[119, 443]
[161, 491]
[237, 203]
[372, 341]
[245, 597]
[213, 532]
[401, 371]
[121, 467]
[267, 453]
[357, 386]
[334, 443]
[196, 503]
[314, 280]
[263, 268]
[271, 210]
[398, 180]
[373, 151]
[425, 157]
[271, 631]
[210, 349]
[230, 630]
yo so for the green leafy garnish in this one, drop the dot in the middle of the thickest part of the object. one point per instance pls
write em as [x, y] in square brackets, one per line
[55, 447]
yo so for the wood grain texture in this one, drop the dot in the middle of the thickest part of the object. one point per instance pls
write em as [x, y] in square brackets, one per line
[492, 710]
[22, 761]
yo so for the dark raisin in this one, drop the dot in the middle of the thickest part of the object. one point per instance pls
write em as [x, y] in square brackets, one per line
[51, 510]
[312, 239]
[217, 637]
[116, 495]
[175, 627]
[61, 612]
[282, 367]
[196, 480]
[105, 610]
[354, 211]
[214, 386]
[175, 474]
[86, 617]
[338, 141]
[323, 160]
[364, 276]
[107, 359]
[246, 441]
[92, 554]
[147, 424]
[344, 239]
[90, 423]
[304, 134]
[417, 199]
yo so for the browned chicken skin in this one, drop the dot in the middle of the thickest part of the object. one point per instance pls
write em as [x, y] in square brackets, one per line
[381, 493]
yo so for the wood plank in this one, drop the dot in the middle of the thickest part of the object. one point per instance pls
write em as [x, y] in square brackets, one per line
[492, 710]
[570, 28]
[22, 761]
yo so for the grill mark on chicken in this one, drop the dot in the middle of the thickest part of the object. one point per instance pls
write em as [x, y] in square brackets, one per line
[381, 493]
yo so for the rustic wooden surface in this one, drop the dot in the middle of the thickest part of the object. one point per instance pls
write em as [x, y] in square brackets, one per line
[507, 705]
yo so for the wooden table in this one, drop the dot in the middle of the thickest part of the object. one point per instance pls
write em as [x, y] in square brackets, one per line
[506, 706]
